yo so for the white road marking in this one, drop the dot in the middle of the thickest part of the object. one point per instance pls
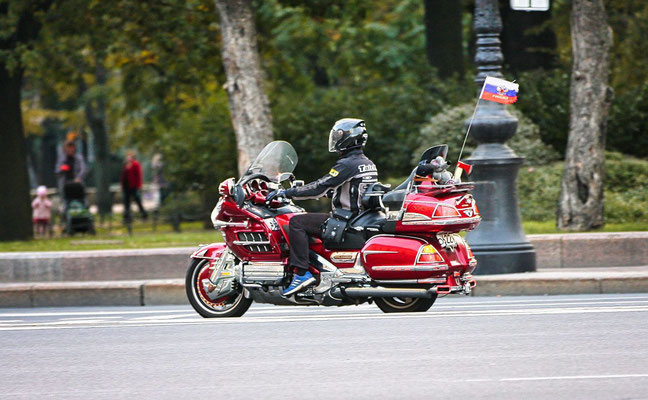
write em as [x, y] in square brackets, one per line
[87, 318]
[263, 308]
[193, 315]
[93, 313]
[319, 317]
[550, 378]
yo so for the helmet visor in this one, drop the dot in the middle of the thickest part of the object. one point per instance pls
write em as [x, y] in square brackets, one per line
[334, 138]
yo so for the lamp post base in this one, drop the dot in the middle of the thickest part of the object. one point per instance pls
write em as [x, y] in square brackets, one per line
[504, 259]
[499, 243]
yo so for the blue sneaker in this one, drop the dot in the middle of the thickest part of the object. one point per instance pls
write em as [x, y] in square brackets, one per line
[298, 283]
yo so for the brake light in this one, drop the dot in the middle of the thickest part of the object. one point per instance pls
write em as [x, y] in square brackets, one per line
[468, 250]
[429, 255]
[445, 211]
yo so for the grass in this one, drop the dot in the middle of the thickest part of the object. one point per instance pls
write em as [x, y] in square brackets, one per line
[117, 237]
[539, 227]
[193, 234]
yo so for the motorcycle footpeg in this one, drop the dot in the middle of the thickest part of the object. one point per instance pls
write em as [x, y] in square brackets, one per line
[309, 292]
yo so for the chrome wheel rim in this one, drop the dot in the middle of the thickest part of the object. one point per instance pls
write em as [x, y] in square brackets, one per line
[218, 306]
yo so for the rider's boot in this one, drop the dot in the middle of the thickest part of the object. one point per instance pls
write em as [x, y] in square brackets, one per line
[299, 282]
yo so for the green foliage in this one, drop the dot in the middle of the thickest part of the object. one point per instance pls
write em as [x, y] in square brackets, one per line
[538, 191]
[628, 123]
[626, 199]
[352, 59]
[544, 98]
[449, 127]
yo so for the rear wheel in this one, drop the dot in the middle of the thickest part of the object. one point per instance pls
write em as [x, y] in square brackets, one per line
[232, 305]
[404, 304]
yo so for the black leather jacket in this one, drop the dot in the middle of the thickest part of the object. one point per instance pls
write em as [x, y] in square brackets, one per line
[348, 179]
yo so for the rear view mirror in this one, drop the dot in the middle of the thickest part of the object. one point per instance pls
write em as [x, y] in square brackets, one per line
[238, 195]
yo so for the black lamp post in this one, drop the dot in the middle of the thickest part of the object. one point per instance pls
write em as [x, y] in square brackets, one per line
[498, 242]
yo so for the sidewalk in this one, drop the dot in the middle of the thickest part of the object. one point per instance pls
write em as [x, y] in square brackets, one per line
[171, 291]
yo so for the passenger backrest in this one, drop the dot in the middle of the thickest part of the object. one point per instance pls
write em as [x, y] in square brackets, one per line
[371, 200]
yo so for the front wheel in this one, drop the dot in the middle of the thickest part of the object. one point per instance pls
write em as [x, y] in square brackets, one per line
[404, 304]
[232, 305]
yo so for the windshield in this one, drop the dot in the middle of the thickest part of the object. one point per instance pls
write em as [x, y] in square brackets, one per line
[276, 158]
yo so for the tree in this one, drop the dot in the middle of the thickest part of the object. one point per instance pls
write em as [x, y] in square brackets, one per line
[581, 198]
[22, 19]
[443, 36]
[248, 102]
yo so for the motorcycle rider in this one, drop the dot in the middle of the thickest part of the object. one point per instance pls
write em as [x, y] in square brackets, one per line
[348, 180]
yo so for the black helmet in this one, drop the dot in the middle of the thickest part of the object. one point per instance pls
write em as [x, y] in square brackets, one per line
[346, 134]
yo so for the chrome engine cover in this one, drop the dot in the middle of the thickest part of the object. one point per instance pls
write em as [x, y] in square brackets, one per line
[264, 273]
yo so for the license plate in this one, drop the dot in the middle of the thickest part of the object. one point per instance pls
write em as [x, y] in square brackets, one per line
[447, 241]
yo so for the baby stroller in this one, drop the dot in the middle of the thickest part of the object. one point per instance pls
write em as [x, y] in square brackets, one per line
[76, 215]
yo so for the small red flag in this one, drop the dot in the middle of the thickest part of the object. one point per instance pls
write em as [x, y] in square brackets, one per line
[465, 167]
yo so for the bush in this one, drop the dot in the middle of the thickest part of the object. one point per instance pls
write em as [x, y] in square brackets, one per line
[448, 126]
[182, 206]
[538, 191]
[626, 199]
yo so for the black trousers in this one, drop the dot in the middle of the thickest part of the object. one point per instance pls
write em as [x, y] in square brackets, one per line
[135, 195]
[301, 227]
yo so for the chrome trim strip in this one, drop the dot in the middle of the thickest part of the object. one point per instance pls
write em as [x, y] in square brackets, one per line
[369, 252]
[409, 267]
[401, 281]
[444, 222]
[433, 280]
[223, 224]
[249, 242]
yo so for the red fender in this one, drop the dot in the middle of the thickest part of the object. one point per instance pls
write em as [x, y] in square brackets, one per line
[210, 251]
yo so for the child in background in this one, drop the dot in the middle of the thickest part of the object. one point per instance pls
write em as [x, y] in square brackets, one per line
[42, 213]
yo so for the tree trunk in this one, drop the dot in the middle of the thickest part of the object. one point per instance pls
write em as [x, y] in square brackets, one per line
[15, 202]
[581, 197]
[443, 36]
[523, 50]
[248, 103]
[96, 117]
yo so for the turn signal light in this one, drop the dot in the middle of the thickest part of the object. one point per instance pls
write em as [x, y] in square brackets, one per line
[429, 255]
[412, 216]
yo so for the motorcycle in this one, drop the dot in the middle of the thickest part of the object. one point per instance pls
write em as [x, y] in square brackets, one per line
[400, 252]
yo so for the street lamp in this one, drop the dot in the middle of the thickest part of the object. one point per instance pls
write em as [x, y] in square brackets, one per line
[498, 242]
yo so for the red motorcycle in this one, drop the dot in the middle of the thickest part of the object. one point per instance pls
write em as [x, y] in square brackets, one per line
[401, 252]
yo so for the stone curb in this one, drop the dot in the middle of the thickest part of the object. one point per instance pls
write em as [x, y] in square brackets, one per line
[172, 291]
[577, 250]
[586, 250]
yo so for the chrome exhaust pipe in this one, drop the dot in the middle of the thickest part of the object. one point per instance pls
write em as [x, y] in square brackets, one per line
[368, 291]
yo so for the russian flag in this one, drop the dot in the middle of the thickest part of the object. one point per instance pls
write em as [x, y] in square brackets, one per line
[499, 90]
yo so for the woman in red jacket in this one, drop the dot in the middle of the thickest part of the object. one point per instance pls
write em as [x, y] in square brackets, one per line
[131, 181]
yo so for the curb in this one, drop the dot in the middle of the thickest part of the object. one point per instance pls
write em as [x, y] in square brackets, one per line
[172, 291]
[564, 251]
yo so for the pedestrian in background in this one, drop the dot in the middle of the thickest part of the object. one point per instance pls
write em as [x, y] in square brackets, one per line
[42, 212]
[70, 166]
[131, 182]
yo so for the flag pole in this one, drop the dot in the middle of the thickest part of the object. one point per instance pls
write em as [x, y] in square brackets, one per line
[457, 174]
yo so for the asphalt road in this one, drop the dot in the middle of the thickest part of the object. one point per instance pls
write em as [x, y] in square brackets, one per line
[558, 347]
